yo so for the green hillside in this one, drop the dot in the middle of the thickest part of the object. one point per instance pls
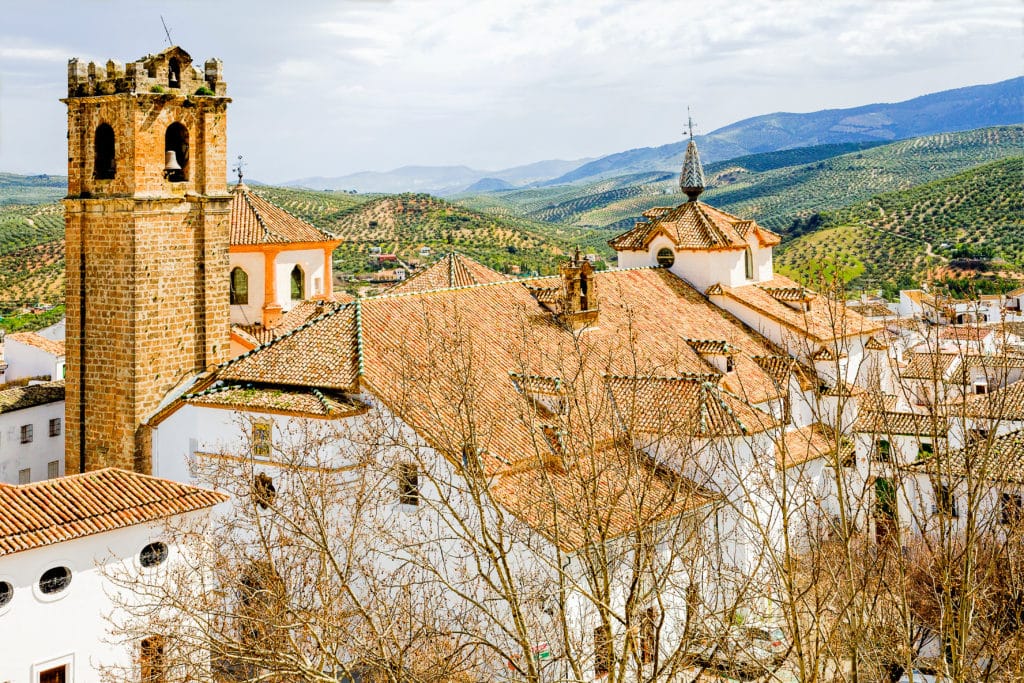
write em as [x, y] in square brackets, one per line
[403, 223]
[34, 189]
[968, 227]
[758, 186]
[32, 237]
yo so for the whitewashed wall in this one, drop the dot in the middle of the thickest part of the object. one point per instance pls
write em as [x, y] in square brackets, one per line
[40, 631]
[43, 449]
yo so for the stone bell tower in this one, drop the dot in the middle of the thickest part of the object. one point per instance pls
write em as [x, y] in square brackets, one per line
[146, 217]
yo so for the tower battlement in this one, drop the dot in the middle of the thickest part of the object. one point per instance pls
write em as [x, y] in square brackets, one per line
[170, 71]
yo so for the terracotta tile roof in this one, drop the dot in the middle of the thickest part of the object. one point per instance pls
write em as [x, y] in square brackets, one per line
[693, 225]
[57, 510]
[996, 367]
[900, 423]
[925, 365]
[871, 310]
[323, 357]
[452, 270]
[300, 314]
[714, 347]
[300, 401]
[791, 294]
[21, 397]
[452, 363]
[965, 332]
[826, 320]
[1005, 403]
[535, 384]
[799, 446]
[683, 406]
[36, 340]
[876, 344]
[1001, 459]
[631, 491]
[256, 221]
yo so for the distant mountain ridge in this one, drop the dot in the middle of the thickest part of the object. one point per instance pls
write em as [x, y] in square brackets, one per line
[978, 106]
[439, 180]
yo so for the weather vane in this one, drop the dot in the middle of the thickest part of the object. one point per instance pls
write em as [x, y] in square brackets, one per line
[239, 168]
[167, 31]
[689, 122]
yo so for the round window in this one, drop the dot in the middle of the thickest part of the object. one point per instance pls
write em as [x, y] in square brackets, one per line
[153, 554]
[665, 257]
[54, 580]
[6, 593]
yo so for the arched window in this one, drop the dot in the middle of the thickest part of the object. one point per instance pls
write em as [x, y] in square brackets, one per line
[174, 73]
[152, 662]
[298, 284]
[176, 141]
[665, 257]
[584, 288]
[748, 263]
[104, 157]
[239, 286]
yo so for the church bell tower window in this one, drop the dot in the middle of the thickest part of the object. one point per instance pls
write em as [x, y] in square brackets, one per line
[176, 153]
[104, 154]
[665, 257]
[748, 263]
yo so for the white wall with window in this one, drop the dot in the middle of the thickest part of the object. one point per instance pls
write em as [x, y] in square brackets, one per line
[54, 602]
[32, 443]
[311, 265]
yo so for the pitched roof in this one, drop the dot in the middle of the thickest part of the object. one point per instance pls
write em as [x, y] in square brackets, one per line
[694, 225]
[683, 406]
[57, 510]
[455, 363]
[826, 320]
[299, 401]
[900, 423]
[1001, 459]
[995, 367]
[1005, 403]
[927, 365]
[871, 310]
[799, 446]
[256, 221]
[634, 492]
[300, 314]
[36, 340]
[29, 396]
[452, 270]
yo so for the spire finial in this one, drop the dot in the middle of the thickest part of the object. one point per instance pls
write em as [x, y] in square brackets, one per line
[691, 180]
[239, 168]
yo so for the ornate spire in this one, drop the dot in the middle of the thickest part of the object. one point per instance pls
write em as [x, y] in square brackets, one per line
[691, 180]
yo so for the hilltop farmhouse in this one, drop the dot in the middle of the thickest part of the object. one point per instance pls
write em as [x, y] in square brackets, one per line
[681, 395]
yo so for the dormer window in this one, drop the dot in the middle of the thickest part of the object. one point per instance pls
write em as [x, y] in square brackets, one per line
[176, 153]
[104, 156]
[748, 263]
[174, 73]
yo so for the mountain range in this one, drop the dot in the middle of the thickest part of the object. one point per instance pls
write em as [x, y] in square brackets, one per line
[946, 111]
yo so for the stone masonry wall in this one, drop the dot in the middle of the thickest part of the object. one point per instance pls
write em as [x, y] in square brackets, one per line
[155, 279]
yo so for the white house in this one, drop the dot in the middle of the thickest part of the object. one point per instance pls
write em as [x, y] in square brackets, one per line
[30, 354]
[31, 432]
[61, 541]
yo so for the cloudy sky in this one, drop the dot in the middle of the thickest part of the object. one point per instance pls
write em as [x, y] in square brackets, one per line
[333, 87]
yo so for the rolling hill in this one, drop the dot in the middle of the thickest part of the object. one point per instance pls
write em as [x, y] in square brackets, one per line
[774, 188]
[403, 223]
[970, 224]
